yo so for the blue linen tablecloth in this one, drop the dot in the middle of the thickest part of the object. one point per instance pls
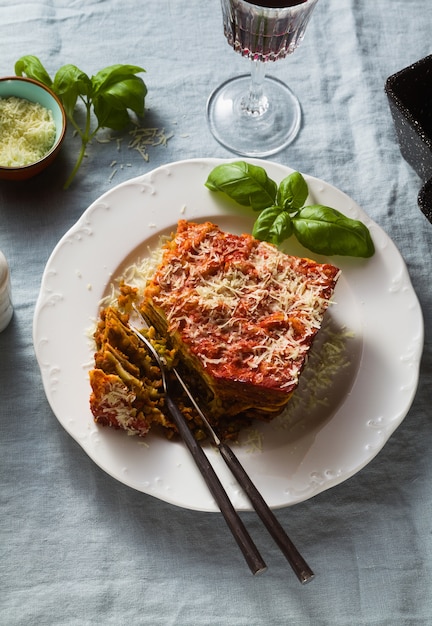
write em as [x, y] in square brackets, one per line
[79, 548]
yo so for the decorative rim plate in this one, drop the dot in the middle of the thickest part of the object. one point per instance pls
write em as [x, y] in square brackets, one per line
[356, 389]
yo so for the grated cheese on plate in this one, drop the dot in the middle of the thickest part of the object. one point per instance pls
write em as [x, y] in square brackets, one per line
[27, 131]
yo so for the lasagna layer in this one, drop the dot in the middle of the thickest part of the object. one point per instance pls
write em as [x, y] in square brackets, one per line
[241, 314]
[126, 385]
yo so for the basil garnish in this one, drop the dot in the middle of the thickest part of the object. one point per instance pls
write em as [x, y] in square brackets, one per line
[247, 184]
[283, 213]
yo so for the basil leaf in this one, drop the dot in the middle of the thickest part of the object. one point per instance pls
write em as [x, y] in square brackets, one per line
[247, 184]
[70, 78]
[111, 103]
[108, 117]
[273, 225]
[113, 74]
[32, 68]
[292, 191]
[117, 89]
[69, 83]
[327, 231]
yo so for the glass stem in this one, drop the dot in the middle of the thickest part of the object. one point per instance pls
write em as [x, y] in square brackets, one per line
[256, 103]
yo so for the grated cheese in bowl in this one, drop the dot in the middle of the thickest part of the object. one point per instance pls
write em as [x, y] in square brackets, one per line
[27, 131]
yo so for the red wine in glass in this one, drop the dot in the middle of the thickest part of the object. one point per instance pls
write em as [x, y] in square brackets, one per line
[253, 115]
[266, 35]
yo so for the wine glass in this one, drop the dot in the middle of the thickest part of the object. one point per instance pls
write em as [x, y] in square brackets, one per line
[255, 115]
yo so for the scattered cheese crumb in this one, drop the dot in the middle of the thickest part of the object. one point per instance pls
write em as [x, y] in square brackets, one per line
[141, 140]
[144, 137]
[253, 442]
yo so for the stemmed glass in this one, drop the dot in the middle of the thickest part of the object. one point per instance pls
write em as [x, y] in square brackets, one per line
[255, 115]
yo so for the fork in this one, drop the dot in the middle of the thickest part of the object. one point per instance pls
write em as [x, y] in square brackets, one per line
[253, 558]
[250, 552]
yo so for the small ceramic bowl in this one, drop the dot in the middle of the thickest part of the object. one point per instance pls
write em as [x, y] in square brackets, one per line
[34, 91]
[409, 93]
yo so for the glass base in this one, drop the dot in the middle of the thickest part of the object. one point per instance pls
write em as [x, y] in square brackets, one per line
[254, 134]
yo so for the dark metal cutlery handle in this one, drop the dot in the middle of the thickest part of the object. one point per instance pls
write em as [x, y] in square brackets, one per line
[295, 559]
[234, 522]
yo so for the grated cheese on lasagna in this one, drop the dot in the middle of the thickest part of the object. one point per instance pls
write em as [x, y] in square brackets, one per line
[245, 311]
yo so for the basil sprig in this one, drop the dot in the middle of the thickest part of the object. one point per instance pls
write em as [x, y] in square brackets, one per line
[112, 92]
[283, 213]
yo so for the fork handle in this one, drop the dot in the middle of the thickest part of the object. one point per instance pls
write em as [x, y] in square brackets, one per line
[295, 559]
[235, 524]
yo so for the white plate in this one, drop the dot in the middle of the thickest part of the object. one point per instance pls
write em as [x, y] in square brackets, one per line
[320, 442]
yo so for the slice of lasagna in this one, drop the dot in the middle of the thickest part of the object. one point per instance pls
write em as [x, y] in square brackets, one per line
[126, 383]
[241, 314]
[235, 315]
